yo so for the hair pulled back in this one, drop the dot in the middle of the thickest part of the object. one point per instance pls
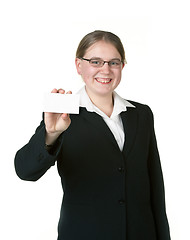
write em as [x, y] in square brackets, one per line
[96, 36]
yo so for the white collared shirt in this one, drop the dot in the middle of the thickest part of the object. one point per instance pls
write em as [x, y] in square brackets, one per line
[114, 122]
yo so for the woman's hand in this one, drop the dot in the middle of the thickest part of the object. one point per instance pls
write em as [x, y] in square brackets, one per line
[56, 123]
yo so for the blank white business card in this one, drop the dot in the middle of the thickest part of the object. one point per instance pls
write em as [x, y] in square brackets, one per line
[61, 103]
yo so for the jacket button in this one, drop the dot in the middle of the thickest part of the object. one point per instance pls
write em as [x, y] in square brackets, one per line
[121, 202]
[120, 169]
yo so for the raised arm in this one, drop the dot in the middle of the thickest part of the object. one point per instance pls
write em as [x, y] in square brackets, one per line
[35, 158]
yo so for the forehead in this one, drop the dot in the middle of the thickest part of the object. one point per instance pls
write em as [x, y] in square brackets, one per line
[102, 50]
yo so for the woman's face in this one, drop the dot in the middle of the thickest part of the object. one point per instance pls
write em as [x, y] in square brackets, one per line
[103, 80]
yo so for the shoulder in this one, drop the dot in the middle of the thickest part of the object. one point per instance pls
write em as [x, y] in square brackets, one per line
[140, 106]
[142, 109]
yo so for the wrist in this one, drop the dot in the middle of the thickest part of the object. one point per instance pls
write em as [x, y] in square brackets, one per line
[48, 147]
[51, 138]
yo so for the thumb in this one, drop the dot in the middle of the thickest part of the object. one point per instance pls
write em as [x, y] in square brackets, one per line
[65, 116]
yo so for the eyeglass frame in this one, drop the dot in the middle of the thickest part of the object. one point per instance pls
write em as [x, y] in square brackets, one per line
[103, 62]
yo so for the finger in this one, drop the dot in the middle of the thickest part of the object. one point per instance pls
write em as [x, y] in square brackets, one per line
[69, 92]
[54, 90]
[65, 116]
[61, 91]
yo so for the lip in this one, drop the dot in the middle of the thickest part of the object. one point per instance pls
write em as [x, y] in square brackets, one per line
[103, 80]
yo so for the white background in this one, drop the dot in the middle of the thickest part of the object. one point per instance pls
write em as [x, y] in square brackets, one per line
[37, 50]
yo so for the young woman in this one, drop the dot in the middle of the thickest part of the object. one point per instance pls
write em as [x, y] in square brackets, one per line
[106, 155]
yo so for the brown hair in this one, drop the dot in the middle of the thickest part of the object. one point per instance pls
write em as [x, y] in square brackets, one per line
[96, 36]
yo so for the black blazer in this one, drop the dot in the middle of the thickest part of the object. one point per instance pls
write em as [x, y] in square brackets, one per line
[108, 194]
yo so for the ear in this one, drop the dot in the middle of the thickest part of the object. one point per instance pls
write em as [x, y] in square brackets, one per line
[78, 65]
[123, 66]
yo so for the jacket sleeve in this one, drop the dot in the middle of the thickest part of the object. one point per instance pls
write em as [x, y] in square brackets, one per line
[157, 187]
[33, 160]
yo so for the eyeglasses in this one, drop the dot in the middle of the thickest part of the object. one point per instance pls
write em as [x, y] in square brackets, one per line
[98, 62]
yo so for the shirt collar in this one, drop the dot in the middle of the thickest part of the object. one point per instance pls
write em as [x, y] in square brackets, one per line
[120, 104]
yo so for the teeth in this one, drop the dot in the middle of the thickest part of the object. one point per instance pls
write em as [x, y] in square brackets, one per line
[103, 81]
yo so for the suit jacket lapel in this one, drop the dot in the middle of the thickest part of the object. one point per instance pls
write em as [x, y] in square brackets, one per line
[99, 123]
[130, 120]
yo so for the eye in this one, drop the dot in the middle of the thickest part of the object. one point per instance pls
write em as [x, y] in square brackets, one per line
[95, 62]
[115, 63]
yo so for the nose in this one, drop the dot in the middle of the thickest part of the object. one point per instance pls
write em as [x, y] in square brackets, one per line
[105, 68]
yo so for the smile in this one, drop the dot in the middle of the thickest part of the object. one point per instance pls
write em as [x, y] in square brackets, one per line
[103, 80]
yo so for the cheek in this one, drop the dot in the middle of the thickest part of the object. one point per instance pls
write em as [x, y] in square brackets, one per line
[88, 74]
[118, 76]
[117, 82]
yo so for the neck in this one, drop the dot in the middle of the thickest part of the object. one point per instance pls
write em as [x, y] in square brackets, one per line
[104, 103]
